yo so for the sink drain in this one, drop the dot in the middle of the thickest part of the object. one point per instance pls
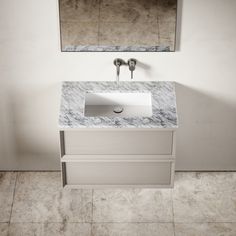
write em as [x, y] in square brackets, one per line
[118, 109]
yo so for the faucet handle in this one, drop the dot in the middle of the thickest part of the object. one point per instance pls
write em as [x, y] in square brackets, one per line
[132, 63]
[119, 62]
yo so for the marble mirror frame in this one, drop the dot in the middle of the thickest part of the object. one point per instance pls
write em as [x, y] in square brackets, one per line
[117, 25]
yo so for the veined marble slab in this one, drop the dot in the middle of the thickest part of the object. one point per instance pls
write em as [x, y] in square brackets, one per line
[104, 48]
[164, 114]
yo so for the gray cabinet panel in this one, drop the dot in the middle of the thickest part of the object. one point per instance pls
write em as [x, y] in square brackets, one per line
[118, 173]
[117, 142]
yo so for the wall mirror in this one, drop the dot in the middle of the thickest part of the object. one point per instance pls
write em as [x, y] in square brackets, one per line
[117, 25]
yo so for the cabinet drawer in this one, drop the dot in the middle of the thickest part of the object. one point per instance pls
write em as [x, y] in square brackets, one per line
[119, 173]
[118, 142]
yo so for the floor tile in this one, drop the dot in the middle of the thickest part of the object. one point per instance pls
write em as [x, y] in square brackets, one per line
[124, 11]
[74, 34]
[129, 34]
[205, 229]
[25, 229]
[205, 197]
[80, 11]
[50, 229]
[133, 229]
[133, 205]
[7, 185]
[67, 229]
[3, 229]
[39, 197]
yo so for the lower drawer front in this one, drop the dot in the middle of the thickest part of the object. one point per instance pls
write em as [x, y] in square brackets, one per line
[118, 173]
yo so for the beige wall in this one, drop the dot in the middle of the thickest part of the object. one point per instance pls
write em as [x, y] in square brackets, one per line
[32, 67]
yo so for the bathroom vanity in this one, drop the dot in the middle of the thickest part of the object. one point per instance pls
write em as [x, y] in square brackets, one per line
[118, 134]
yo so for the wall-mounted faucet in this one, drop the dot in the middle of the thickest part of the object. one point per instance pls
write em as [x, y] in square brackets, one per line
[132, 63]
[118, 62]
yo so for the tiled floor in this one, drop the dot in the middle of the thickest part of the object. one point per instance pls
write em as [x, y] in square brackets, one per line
[201, 204]
[118, 22]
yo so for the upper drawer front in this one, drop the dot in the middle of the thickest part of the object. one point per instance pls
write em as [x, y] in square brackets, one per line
[118, 142]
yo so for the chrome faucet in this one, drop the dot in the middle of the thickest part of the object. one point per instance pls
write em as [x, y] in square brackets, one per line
[118, 62]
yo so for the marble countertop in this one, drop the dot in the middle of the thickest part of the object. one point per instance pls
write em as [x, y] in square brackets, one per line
[164, 113]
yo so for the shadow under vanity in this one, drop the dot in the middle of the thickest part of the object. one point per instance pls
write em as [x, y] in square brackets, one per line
[133, 148]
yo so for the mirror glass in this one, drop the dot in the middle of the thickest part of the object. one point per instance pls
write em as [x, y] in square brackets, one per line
[117, 25]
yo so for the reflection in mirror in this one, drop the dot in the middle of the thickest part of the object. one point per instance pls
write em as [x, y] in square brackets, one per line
[117, 25]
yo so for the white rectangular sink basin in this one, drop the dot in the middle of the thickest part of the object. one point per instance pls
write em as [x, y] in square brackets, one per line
[115, 104]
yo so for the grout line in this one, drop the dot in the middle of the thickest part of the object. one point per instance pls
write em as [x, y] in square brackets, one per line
[8, 228]
[178, 171]
[126, 222]
[18, 171]
[172, 206]
[205, 171]
[151, 222]
[13, 198]
[50, 222]
[92, 205]
[205, 223]
[174, 228]
[91, 231]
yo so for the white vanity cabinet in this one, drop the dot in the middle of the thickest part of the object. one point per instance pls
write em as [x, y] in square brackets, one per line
[117, 157]
[103, 148]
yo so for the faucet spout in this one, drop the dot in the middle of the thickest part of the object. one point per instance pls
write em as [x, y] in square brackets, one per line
[117, 73]
[118, 62]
